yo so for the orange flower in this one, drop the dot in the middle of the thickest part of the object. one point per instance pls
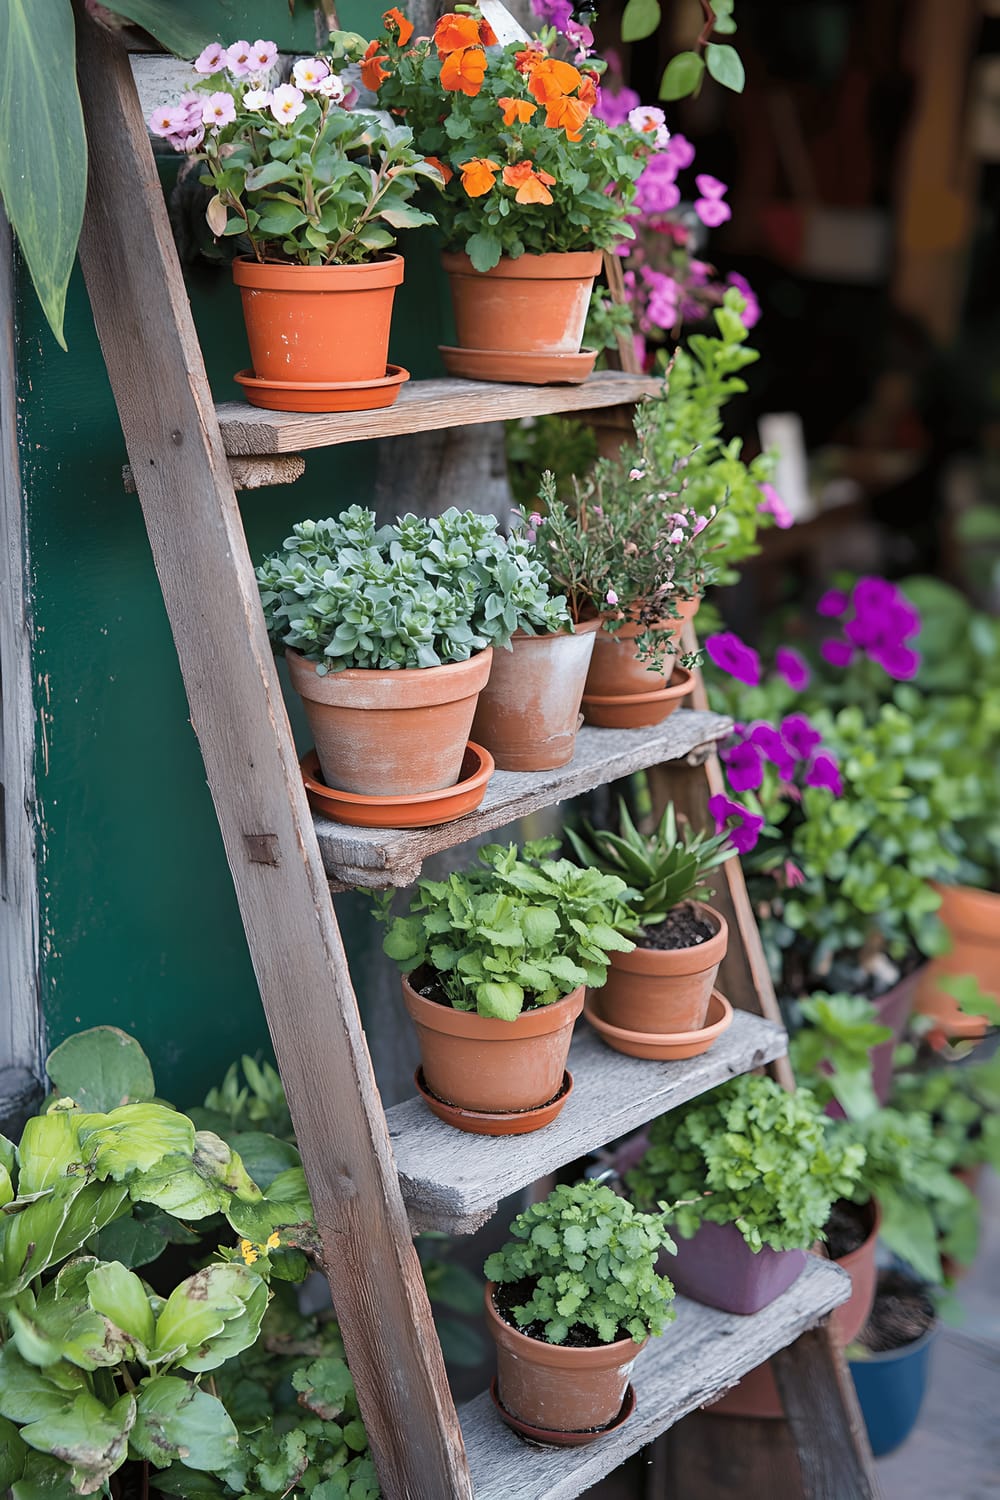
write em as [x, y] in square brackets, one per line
[587, 92]
[453, 32]
[487, 36]
[530, 184]
[569, 113]
[551, 79]
[372, 72]
[463, 72]
[516, 111]
[394, 20]
[478, 175]
[445, 171]
[528, 60]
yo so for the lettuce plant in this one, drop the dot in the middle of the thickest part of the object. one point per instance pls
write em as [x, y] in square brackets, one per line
[418, 593]
[591, 1257]
[750, 1154]
[517, 929]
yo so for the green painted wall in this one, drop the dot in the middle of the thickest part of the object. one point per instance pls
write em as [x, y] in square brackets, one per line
[139, 921]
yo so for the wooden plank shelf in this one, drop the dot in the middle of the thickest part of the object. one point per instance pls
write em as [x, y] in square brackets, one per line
[453, 1181]
[380, 857]
[422, 406]
[698, 1358]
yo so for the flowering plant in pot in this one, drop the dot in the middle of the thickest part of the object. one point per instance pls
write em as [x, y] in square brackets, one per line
[313, 191]
[570, 1302]
[499, 956]
[665, 984]
[754, 1172]
[388, 633]
[536, 186]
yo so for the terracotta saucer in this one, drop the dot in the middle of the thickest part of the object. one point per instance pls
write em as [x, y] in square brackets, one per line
[544, 1437]
[304, 395]
[667, 1046]
[414, 810]
[478, 1122]
[519, 368]
[637, 710]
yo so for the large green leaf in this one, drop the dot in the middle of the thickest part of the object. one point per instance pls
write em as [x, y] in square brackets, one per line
[238, 1334]
[43, 1479]
[12, 1454]
[101, 1068]
[88, 1436]
[49, 1144]
[119, 1294]
[177, 1420]
[285, 1202]
[183, 26]
[28, 1394]
[134, 1137]
[198, 1309]
[43, 148]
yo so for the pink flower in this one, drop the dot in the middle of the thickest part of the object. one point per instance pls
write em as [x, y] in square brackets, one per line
[635, 474]
[256, 99]
[582, 38]
[699, 526]
[744, 766]
[211, 60]
[837, 653]
[611, 597]
[239, 59]
[824, 772]
[833, 604]
[712, 211]
[218, 110]
[793, 668]
[773, 505]
[793, 876]
[772, 746]
[309, 73]
[535, 518]
[742, 826]
[797, 732]
[613, 108]
[681, 152]
[168, 121]
[676, 537]
[263, 55]
[732, 655]
[650, 121]
[709, 186]
[751, 313]
[287, 103]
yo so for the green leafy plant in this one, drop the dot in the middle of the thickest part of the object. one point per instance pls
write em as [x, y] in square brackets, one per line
[517, 929]
[255, 1103]
[685, 72]
[962, 1102]
[418, 593]
[748, 1154]
[591, 1258]
[832, 1049]
[662, 868]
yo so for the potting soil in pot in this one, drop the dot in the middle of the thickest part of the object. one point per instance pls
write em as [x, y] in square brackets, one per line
[903, 1313]
[682, 928]
[846, 1229]
[511, 1294]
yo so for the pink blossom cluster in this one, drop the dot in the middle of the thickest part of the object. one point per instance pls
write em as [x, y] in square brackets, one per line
[878, 621]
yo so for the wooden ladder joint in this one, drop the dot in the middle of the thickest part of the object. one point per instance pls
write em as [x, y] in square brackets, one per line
[247, 473]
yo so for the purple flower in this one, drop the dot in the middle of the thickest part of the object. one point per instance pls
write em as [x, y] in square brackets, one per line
[744, 767]
[680, 151]
[614, 108]
[882, 622]
[239, 59]
[751, 314]
[769, 742]
[742, 826]
[899, 661]
[837, 653]
[797, 732]
[211, 60]
[732, 655]
[710, 208]
[824, 772]
[557, 13]
[833, 604]
[773, 505]
[793, 668]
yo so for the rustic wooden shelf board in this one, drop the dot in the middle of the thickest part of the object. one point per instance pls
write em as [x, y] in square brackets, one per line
[423, 406]
[381, 857]
[453, 1181]
[699, 1357]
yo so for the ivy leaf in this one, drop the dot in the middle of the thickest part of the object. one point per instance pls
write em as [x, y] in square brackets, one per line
[100, 1069]
[725, 66]
[682, 76]
[325, 1387]
[175, 1420]
[640, 19]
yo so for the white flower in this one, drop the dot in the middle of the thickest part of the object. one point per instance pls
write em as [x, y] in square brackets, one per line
[309, 73]
[287, 104]
[332, 87]
[256, 98]
[650, 121]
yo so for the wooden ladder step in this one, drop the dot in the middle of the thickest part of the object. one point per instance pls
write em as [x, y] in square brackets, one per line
[380, 857]
[422, 406]
[699, 1357]
[453, 1181]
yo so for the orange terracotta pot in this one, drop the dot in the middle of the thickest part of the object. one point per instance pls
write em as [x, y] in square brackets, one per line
[493, 1066]
[972, 918]
[536, 304]
[556, 1387]
[658, 990]
[528, 712]
[615, 668]
[386, 734]
[324, 324]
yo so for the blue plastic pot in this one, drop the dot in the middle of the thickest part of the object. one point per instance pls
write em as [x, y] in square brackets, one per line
[891, 1388]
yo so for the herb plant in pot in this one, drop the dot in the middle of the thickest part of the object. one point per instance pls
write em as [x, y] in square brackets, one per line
[758, 1173]
[664, 986]
[388, 633]
[313, 191]
[571, 1301]
[495, 960]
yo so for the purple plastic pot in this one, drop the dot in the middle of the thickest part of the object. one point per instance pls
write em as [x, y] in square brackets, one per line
[894, 1009]
[718, 1268]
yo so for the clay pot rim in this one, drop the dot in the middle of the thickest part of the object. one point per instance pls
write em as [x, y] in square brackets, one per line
[337, 804]
[558, 1356]
[970, 910]
[682, 683]
[694, 959]
[279, 276]
[890, 1356]
[670, 1042]
[494, 1122]
[394, 375]
[553, 1437]
[541, 1021]
[550, 265]
[874, 1209]
[469, 667]
[580, 627]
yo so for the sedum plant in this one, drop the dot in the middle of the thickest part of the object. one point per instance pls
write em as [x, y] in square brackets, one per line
[750, 1154]
[591, 1257]
[418, 593]
[517, 929]
[662, 868]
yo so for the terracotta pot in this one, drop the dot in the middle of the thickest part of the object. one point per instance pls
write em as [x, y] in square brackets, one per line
[536, 304]
[657, 990]
[493, 1066]
[665, 1046]
[893, 1009]
[638, 710]
[717, 1267]
[556, 1387]
[615, 668]
[528, 712]
[972, 918]
[324, 324]
[388, 734]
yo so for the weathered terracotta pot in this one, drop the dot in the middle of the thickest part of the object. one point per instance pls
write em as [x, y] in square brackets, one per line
[493, 1066]
[536, 304]
[615, 668]
[556, 1387]
[658, 990]
[528, 712]
[972, 918]
[387, 734]
[638, 710]
[324, 324]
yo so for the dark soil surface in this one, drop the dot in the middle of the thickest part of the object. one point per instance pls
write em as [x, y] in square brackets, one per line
[425, 982]
[902, 1313]
[513, 1294]
[846, 1228]
[682, 928]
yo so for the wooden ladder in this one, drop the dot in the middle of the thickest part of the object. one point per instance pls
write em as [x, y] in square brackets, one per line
[375, 1177]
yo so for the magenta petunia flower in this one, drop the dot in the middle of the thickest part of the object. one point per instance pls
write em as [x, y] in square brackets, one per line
[769, 742]
[833, 604]
[899, 661]
[793, 668]
[613, 108]
[681, 151]
[799, 735]
[751, 314]
[744, 766]
[742, 825]
[712, 211]
[824, 772]
[773, 505]
[732, 655]
[837, 653]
